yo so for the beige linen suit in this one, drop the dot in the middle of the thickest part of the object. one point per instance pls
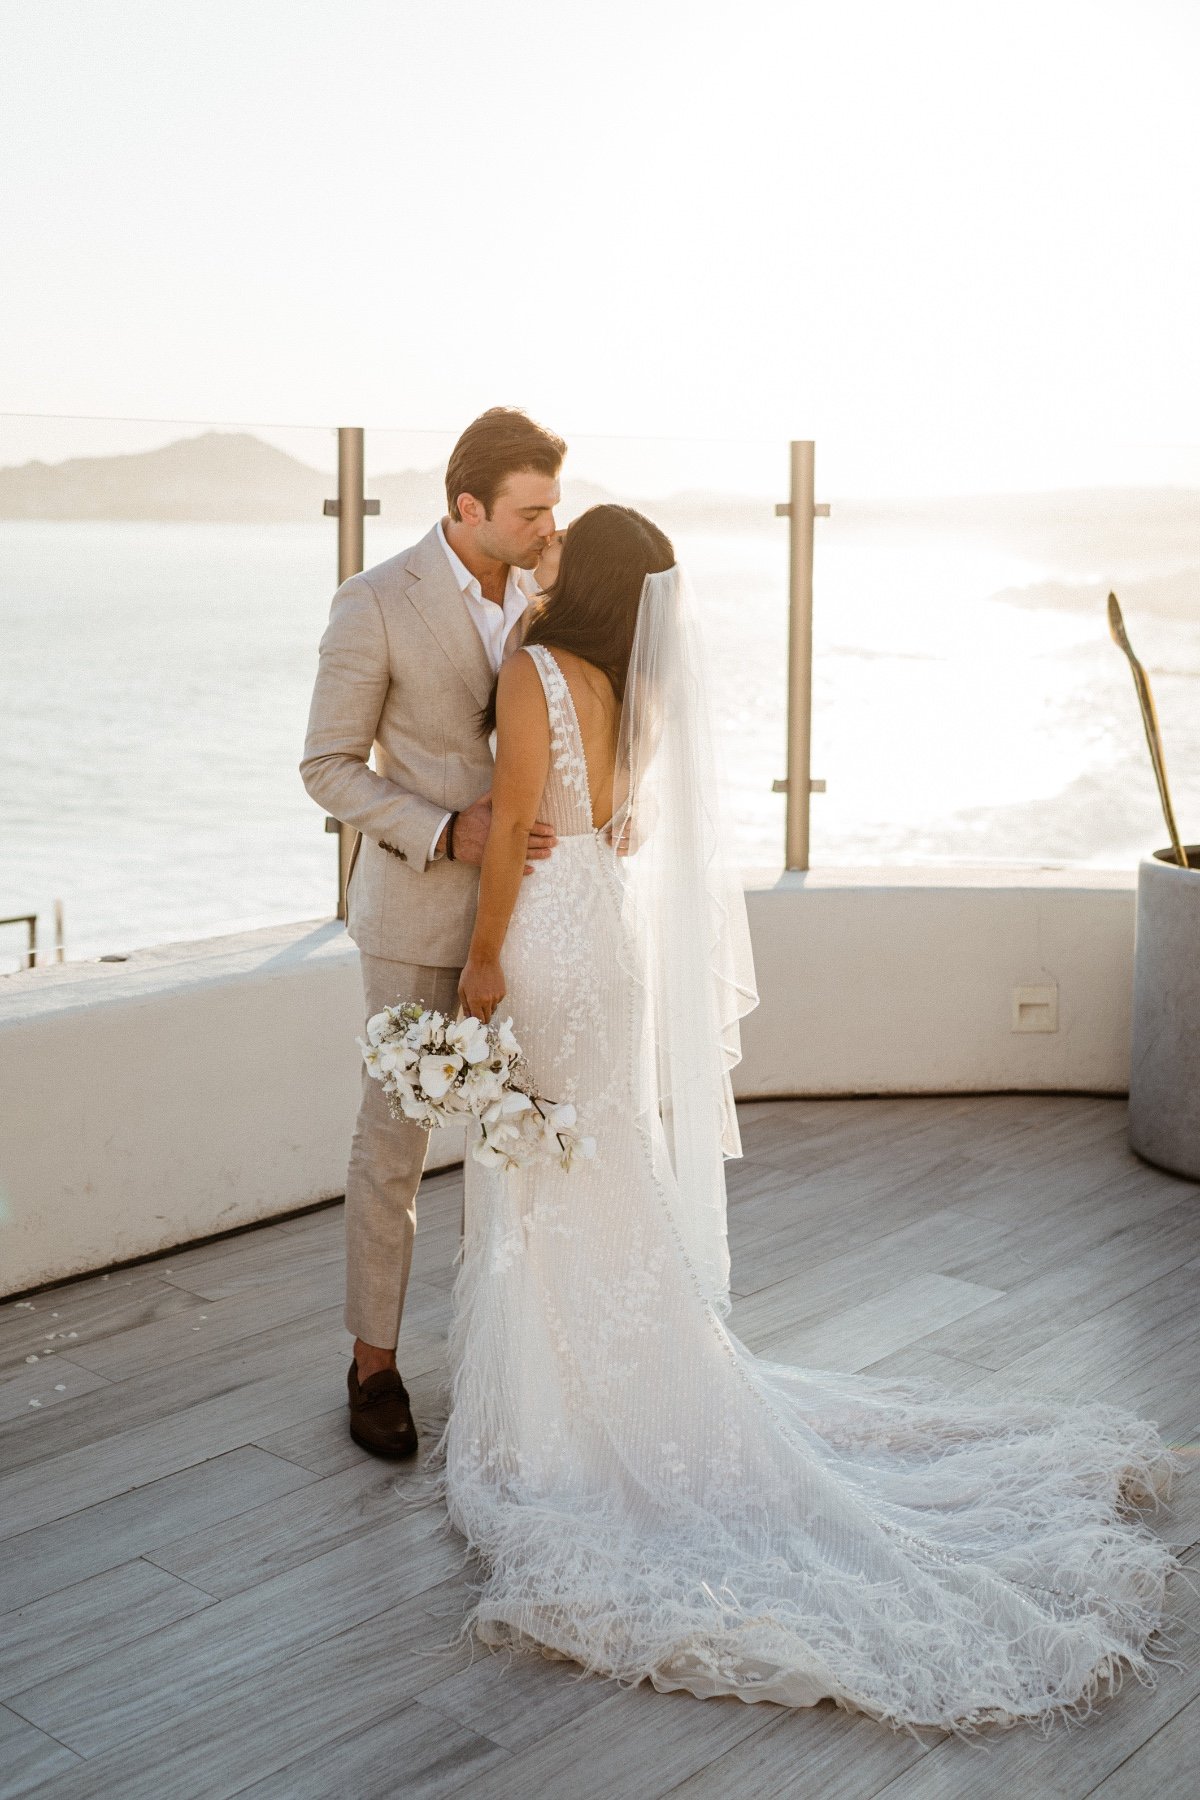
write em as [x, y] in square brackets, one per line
[404, 672]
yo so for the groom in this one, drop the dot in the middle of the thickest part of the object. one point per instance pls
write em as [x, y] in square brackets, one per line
[406, 665]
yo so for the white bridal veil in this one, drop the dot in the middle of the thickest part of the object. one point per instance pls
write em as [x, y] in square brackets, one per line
[688, 940]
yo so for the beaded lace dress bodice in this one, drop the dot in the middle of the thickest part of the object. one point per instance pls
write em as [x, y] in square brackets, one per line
[566, 799]
[652, 1500]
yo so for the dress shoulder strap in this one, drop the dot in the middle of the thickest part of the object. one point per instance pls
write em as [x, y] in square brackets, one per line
[566, 740]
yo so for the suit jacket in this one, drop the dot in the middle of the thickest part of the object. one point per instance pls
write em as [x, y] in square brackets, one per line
[402, 671]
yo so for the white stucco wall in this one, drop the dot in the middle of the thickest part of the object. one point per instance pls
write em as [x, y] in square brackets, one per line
[202, 1086]
[901, 981]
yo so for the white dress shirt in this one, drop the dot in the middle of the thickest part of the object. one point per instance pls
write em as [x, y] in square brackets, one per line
[491, 621]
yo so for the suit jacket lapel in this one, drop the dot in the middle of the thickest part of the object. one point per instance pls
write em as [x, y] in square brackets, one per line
[437, 597]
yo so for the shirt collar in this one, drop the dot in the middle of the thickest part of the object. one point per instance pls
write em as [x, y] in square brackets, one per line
[521, 579]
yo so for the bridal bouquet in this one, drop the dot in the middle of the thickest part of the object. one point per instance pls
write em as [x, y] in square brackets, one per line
[435, 1069]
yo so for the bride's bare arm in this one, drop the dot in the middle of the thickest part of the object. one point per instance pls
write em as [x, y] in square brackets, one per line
[522, 764]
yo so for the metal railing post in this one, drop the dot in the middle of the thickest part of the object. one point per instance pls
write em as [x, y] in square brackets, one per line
[800, 511]
[349, 509]
[29, 920]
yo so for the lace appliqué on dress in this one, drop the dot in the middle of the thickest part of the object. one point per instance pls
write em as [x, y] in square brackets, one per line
[567, 755]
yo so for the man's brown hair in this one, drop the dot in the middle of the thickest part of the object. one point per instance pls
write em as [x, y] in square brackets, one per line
[501, 442]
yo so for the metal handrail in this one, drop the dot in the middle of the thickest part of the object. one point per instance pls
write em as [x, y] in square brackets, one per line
[800, 511]
[349, 509]
[31, 920]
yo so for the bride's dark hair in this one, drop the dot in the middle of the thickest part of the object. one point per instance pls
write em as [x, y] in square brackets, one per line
[592, 607]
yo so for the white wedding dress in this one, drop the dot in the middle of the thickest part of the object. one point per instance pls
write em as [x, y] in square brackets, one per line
[650, 1499]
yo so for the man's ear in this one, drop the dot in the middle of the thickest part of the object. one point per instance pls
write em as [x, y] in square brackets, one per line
[470, 511]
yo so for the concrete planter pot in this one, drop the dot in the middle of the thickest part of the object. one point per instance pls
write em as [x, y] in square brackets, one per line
[1164, 1076]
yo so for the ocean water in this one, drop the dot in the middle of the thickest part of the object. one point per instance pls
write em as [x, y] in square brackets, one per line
[155, 679]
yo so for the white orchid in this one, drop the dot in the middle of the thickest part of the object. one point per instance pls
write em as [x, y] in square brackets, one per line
[510, 1100]
[500, 1128]
[470, 1038]
[455, 1102]
[437, 1072]
[482, 1086]
[378, 1025]
[412, 1106]
[547, 1137]
[487, 1154]
[574, 1145]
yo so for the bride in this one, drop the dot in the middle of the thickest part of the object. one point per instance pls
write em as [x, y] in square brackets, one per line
[645, 1495]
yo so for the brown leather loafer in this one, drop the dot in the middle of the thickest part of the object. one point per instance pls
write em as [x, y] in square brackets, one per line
[380, 1417]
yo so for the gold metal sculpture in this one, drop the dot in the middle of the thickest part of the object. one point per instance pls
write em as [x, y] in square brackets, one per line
[1141, 682]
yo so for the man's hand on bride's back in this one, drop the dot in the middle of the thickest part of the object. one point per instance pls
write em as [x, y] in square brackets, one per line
[637, 824]
[471, 834]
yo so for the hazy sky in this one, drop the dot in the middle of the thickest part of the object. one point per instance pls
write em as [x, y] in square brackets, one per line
[938, 235]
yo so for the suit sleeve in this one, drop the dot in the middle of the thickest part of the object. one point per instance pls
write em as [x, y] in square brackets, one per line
[352, 683]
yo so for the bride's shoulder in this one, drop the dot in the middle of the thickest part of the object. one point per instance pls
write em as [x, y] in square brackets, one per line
[540, 664]
[519, 669]
[520, 691]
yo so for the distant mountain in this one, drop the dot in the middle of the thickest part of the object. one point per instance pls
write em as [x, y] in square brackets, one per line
[220, 476]
[1084, 535]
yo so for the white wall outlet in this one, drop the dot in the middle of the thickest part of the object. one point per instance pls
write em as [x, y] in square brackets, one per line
[1035, 1009]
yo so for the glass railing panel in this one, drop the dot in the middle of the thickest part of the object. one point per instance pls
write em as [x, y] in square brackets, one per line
[163, 588]
[970, 706]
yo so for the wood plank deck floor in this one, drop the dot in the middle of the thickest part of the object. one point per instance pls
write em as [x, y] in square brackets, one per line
[207, 1590]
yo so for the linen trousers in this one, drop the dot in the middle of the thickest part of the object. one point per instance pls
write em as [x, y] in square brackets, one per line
[386, 1159]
